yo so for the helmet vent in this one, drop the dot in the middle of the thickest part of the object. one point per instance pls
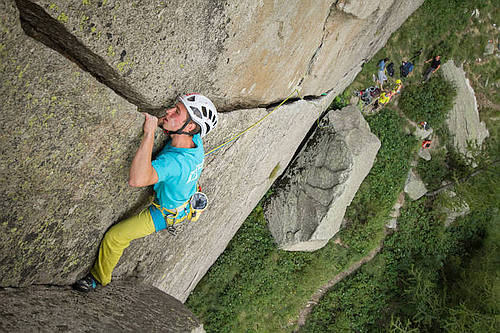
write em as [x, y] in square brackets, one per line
[208, 128]
[196, 111]
[191, 98]
[204, 110]
[210, 114]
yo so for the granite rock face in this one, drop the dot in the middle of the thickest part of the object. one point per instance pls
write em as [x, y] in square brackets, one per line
[243, 54]
[70, 125]
[66, 141]
[235, 178]
[126, 306]
[359, 8]
[463, 120]
[311, 198]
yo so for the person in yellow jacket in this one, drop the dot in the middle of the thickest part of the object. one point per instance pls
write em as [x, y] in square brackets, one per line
[174, 174]
[384, 98]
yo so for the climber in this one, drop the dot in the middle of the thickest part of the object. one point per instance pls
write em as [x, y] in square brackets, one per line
[435, 64]
[424, 126]
[174, 173]
[383, 99]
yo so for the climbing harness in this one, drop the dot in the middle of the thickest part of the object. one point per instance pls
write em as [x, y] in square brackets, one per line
[189, 211]
[426, 144]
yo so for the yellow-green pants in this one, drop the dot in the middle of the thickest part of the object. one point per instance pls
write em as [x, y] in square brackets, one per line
[116, 240]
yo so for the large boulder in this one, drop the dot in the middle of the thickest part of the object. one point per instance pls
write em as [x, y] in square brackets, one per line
[244, 54]
[463, 120]
[310, 200]
[127, 306]
[68, 136]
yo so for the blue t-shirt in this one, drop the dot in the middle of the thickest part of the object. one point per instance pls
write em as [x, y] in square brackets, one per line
[178, 171]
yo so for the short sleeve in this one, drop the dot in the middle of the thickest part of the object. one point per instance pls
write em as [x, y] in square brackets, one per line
[167, 167]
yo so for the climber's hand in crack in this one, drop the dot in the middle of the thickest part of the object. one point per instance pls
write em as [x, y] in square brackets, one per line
[150, 123]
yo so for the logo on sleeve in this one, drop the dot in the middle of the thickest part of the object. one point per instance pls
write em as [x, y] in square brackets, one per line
[195, 174]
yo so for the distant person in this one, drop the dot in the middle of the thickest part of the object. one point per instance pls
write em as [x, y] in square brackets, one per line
[381, 76]
[406, 68]
[383, 99]
[424, 125]
[397, 87]
[382, 63]
[435, 65]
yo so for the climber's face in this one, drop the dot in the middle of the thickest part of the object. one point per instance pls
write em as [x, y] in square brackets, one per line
[174, 118]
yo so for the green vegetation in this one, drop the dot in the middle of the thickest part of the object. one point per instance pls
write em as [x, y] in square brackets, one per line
[428, 102]
[430, 278]
[420, 279]
[427, 277]
[373, 202]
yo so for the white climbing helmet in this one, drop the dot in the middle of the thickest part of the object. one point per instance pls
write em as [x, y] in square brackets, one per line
[201, 110]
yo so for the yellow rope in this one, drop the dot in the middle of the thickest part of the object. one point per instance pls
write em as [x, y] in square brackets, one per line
[249, 128]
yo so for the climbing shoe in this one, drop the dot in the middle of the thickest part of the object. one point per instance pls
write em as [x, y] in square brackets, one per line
[88, 283]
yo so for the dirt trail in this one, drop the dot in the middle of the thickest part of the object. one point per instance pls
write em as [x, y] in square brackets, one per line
[313, 301]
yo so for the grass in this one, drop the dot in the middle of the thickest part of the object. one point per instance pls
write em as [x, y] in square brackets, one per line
[428, 102]
[416, 279]
[253, 286]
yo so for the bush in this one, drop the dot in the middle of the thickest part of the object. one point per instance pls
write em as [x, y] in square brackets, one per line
[429, 102]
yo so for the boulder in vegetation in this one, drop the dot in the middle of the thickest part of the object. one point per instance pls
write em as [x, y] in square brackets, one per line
[425, 154]
[414, 187]
[421, 133]
[310, 200]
